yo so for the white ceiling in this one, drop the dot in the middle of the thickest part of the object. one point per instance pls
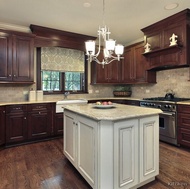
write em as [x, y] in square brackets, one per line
[125, 18]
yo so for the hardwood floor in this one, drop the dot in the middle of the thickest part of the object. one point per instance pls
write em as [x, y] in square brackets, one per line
[43, 166]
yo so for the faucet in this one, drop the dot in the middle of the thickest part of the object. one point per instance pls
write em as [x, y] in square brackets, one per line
[66, 94]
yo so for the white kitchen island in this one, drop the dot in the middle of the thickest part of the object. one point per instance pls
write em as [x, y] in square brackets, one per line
[115, 148]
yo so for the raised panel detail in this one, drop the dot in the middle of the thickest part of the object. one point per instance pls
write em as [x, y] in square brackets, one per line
[126, 155]
[149, 150]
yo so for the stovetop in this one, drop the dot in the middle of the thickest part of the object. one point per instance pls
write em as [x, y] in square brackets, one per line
[158, 99]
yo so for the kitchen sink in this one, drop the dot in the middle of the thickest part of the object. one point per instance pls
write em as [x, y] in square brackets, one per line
[60, 104]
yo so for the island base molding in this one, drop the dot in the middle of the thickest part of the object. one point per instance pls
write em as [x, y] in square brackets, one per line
[113, 154]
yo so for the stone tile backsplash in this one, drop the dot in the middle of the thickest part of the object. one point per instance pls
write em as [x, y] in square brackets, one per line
[175, 79]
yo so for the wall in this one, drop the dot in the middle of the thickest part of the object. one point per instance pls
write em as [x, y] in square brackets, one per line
[176, 80]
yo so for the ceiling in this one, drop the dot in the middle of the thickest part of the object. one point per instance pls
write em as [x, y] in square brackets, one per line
[125, 18]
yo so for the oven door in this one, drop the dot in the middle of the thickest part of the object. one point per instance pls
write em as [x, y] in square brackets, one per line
[167, 125]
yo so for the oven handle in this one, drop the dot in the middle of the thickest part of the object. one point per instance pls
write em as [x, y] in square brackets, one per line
[166, 113]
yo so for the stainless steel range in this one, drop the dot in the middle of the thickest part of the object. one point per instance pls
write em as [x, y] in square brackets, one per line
[167, 119]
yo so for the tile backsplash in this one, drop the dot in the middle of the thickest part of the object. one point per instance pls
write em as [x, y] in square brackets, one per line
[175, 79]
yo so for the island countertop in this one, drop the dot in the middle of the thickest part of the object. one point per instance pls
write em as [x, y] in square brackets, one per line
[118, 112]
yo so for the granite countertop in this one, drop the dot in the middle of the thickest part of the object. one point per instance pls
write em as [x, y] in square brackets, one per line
[184, 102]
[54, 101]
[118, 112]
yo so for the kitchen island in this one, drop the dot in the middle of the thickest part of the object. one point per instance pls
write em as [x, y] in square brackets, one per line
[116, 148]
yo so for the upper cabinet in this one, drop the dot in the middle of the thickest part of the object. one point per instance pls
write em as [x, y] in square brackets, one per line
[17, 57]
[109, 74]
[130, 70]
[134, 66]
[162, 55]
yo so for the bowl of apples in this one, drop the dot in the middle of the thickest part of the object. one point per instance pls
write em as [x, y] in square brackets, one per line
[104, 104]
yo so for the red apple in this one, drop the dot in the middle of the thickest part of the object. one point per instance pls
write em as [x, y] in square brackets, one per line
[109, 103]
[104, 103]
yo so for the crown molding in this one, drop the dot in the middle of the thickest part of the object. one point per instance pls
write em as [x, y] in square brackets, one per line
[14, 27]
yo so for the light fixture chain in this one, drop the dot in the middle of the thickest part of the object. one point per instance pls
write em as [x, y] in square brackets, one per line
[103, 14]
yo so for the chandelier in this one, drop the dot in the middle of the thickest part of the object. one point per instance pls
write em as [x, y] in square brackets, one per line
[110, 50]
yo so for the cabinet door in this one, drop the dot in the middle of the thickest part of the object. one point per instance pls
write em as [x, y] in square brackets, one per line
[135, 65]
[113, 71]
[110, 73]
[2, 125]
[184, 136]
[127, 71]
[70, 137]
[23, 52]
[126, 154]
[86, 145]
[5, 57]
[184, 125]
[39, 124]
[58, 124]
[149, 147]
[140, 64]
[16, 127]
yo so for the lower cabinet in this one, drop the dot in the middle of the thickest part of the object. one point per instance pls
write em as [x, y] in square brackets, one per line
[113, 154]
[183, 129]
[58, 124]
[28, 122]
[16, 124]
[2, 125]
[79, 145]
[40, 121]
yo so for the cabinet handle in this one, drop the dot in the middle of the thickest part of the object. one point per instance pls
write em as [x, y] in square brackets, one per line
[4, 111]
[39, 112]
[24, 117]
[10, 75]
[14, 75]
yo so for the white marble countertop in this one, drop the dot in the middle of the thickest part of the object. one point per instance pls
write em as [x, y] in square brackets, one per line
[118, 112]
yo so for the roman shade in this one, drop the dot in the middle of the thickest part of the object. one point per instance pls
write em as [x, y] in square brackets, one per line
[62, 59]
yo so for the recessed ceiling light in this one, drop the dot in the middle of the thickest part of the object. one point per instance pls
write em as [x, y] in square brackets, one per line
[171, 6]
[86, 4]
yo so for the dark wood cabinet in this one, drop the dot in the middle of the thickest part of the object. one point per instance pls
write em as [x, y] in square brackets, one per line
[109, 74]
[16, 124]
[162, 55]
[40, 121]
[17, 54]
[183, 122]
[58, 124]
[2, 125]
[134, 66]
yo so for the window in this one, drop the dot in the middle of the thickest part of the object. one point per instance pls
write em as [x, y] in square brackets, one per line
[58, 82]
[51, 81]
[74, 81]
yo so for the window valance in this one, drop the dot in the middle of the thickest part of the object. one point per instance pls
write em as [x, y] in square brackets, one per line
[62, 59]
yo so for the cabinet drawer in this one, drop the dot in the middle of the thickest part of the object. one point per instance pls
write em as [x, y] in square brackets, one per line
[37, 107]
[184, 120]
[16, 108]
[183, 108]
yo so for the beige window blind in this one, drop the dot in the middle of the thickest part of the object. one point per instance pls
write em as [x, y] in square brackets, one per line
[62, 59]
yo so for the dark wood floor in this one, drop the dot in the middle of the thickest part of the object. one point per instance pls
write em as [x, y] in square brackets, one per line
[43, 166]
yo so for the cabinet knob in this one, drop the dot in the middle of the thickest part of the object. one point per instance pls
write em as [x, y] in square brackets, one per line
[39, 112]
[24, 117]
[14, 75]
[10, 75]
